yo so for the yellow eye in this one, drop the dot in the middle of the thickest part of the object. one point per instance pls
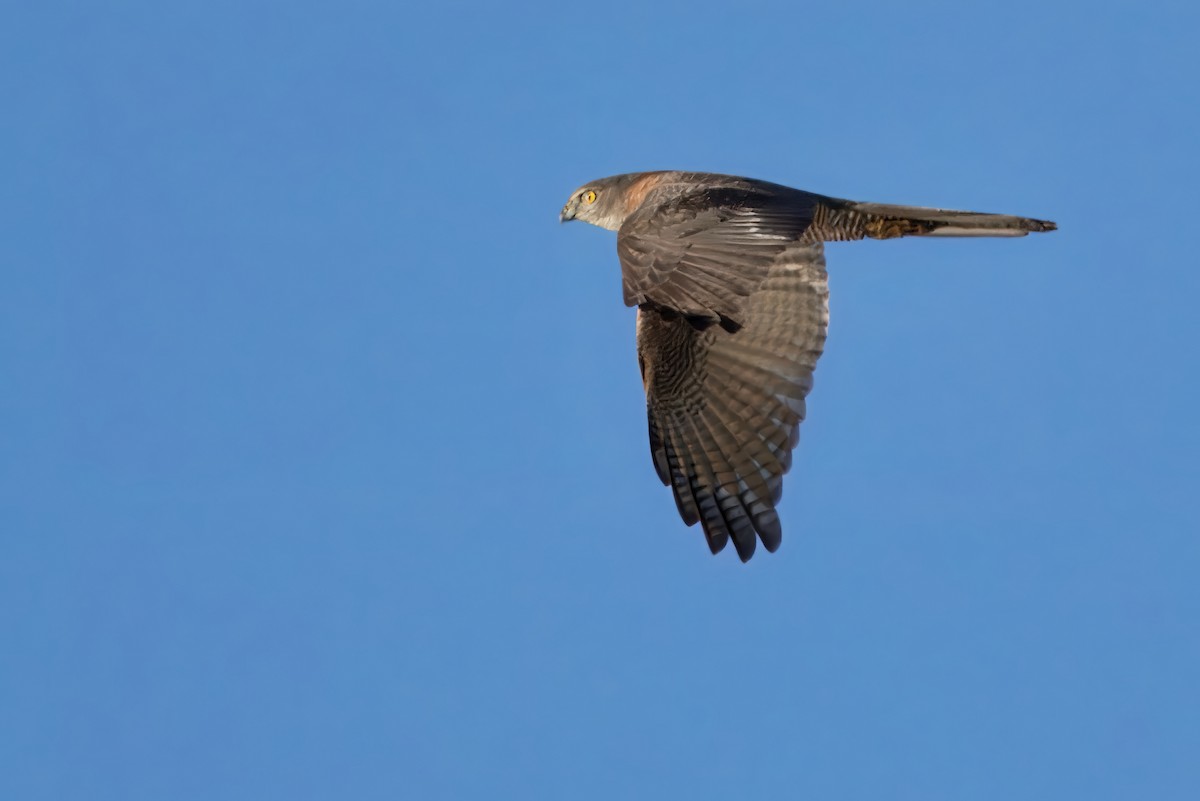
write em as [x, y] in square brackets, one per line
[589, 196]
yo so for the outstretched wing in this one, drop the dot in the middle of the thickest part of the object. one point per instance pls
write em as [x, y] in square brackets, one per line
[704, 251]
[725, 407]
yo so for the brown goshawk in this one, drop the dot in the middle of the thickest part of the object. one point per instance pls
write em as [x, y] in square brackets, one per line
[728, 275]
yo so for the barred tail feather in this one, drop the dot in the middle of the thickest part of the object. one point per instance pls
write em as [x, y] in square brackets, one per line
[840, 220]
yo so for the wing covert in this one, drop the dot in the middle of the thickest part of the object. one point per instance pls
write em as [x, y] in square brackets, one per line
[703, 253]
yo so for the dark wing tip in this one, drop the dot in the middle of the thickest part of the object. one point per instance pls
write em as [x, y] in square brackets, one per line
[769, 530]
[717, 542]
[745, 547]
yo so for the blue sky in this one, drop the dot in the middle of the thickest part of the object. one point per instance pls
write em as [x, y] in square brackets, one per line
[323, 466]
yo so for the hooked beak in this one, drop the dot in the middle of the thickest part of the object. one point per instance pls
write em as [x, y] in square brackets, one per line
[567, 214]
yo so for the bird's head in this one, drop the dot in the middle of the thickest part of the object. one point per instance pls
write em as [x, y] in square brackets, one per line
[601, 202]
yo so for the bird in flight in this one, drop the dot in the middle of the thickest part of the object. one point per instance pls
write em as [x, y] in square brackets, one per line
[728, 275]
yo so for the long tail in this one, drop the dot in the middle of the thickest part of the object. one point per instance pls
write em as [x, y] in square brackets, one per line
[838, 220]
